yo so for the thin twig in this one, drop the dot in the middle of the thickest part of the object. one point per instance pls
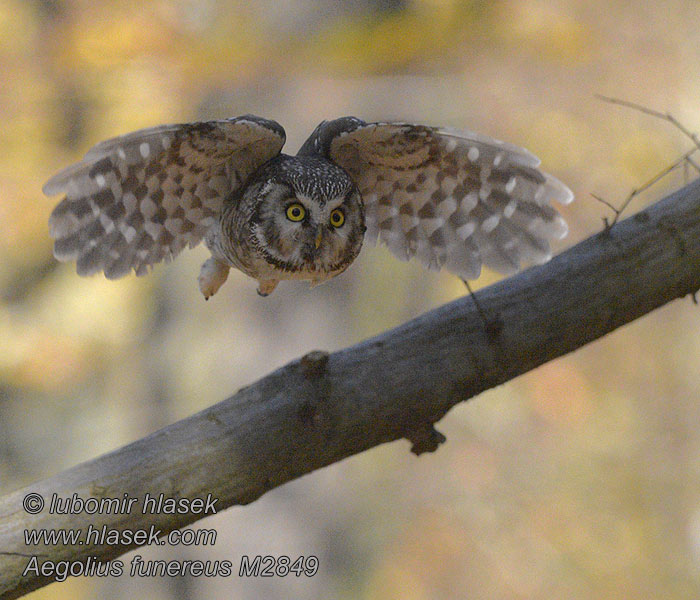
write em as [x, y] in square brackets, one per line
[684, 160]
[476, 302]
[604, 201]
[493, 327]
[654, 113]
[635, 192]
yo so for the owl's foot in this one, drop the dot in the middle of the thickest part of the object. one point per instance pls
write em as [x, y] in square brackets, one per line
[212, 276]
[267, 286]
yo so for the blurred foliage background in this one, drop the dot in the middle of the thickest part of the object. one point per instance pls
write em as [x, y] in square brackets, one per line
[578, 480]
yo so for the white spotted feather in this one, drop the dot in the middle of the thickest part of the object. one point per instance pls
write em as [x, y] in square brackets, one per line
[449, 199]
[452, 200]
[138, 199]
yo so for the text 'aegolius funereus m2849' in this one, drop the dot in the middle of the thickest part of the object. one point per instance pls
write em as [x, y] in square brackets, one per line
[450, 199]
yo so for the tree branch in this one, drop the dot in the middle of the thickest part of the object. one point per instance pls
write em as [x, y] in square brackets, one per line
[322, 408]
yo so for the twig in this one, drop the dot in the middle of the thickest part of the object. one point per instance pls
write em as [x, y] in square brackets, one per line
[480, 310]
[492, 326]
[644, 187]
[685, 160]
[654, 113]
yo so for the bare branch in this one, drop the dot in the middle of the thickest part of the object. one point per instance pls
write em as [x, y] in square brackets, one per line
[684, 160]
[654, 113]
[324, 407]
[643, 188]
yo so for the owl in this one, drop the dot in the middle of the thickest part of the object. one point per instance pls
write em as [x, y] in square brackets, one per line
[452, 200]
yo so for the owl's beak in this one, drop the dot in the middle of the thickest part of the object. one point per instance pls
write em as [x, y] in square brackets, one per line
[319, 237]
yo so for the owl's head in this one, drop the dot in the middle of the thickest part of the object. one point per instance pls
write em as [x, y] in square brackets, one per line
[308, 218]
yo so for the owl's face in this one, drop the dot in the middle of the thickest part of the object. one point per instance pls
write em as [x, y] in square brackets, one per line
[308, 219]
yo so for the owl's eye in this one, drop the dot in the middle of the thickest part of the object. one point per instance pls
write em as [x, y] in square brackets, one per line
[337, 218]
[296, 212]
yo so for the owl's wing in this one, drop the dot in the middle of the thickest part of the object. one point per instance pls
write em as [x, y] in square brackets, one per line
[137, 199]
[452, 199]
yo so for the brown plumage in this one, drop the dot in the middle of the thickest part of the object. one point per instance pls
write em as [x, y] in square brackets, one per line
[452, 200]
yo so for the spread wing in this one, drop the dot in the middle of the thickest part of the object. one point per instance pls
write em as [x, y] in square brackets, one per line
[451, 199]
[137, 199]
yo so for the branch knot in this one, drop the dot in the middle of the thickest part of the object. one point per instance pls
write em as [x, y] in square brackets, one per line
[425, 439]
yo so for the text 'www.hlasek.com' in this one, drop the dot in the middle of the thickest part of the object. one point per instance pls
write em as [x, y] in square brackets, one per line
[71, 561]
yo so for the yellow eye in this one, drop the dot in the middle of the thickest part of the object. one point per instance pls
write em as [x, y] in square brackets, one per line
[296, 212]
[337, 218]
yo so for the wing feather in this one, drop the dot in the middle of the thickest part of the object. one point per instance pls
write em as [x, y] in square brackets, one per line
[450, 199]
[140, 198]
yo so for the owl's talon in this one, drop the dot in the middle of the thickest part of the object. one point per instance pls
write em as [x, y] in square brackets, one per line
[212, 276]
[266, 287]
